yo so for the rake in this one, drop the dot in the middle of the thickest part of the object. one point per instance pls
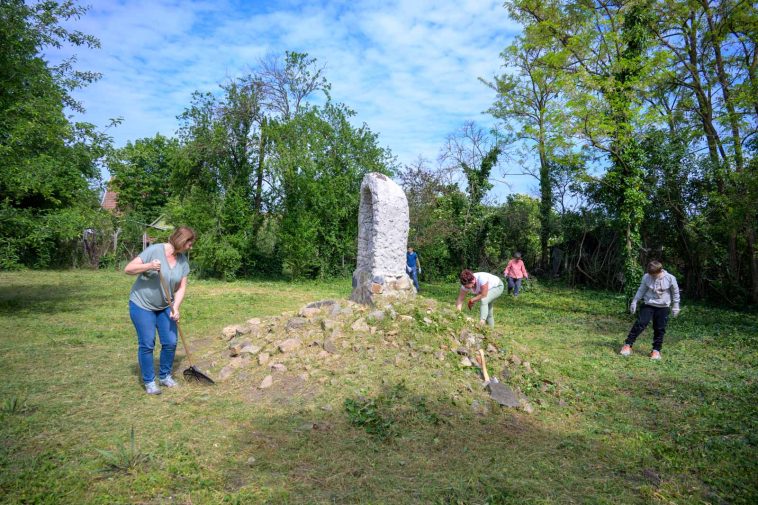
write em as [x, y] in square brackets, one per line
[191, 373]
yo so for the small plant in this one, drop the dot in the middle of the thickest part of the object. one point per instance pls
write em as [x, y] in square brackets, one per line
[124, 459]
[14, 405]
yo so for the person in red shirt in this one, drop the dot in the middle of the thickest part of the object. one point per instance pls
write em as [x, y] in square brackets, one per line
[514, 273]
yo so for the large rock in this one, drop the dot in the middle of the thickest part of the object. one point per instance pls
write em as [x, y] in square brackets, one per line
[382, 241]
[289, 345]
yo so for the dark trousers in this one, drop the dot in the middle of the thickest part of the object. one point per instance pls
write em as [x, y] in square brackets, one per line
[513, 285]
[659, 316]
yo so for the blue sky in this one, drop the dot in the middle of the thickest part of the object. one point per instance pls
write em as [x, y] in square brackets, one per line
[409, 68]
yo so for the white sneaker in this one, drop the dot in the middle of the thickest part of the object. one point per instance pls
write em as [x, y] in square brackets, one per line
[152, 388]
[169, 382]
[626, 350]
[656, 355]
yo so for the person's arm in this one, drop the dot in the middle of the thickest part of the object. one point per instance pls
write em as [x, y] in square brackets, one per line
[459, 301]
[523, 270]
[674, 297]
[482, 294]
[418, 264]
[507, 272]
[178, 298]
[137, 266]
[638, 296]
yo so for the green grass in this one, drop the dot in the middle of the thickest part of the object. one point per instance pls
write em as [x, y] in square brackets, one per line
[386, 421]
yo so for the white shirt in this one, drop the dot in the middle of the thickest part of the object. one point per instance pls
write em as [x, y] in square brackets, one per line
[483, 278]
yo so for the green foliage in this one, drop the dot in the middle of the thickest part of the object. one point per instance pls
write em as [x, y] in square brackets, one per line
[389, 411]
[14, 405]
[49, 164]
[141, 175]
[125, 458]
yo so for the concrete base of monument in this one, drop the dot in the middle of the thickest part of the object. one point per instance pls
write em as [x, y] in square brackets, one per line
[371, 289]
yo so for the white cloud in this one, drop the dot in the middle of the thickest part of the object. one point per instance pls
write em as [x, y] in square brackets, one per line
[408, 67]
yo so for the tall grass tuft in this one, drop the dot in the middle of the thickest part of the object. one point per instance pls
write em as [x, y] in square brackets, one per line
[124, 459]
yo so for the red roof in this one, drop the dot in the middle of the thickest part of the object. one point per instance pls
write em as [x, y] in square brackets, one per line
[110, 200]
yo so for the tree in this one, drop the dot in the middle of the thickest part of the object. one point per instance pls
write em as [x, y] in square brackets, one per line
[141, 174]
[530, 99]
[49, 165]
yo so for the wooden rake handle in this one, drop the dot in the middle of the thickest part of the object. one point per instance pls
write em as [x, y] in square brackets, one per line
[178, 328]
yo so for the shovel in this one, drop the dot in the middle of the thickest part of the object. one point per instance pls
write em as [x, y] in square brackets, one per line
[499, 392]
[191, 373]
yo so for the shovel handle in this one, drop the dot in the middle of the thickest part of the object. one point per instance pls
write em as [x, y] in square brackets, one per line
[484, 366]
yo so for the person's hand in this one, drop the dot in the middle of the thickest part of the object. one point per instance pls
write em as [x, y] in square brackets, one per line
[174, 314]
[675, 311]
[471, 303]
[154, 265]
[633, 307]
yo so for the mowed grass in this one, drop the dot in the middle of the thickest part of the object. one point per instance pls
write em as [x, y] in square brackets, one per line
[604, 429]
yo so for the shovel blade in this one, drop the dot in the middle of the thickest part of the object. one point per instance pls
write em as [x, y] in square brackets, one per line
[502, 394]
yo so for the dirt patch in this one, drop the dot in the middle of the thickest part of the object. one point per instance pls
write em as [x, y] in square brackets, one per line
[286, 389]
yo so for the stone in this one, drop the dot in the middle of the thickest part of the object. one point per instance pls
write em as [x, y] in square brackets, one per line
[254, 321]
[515, 360]
[236, 362]
[383, 223]
[329, 346]
[309, 313]
[229, 332]
[405, 318]
[360, 325]
[278, 367]
[491, 349]
[266, 382]
[323, 354]
[296, 323]
[289, 345]
[263, 358]
[440, 355]
[251, 461]
[328, 324]
[225, 373]
[526, 406]
[249, 349]
[377, 315]
[527, 366]
[466, 362]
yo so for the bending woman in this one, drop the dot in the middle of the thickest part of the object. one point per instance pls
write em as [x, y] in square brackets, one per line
[486, 288]
[148, 306]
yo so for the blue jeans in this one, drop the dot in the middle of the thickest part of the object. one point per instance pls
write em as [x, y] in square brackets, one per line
[413, 273]
[513, 285]
[145, 322]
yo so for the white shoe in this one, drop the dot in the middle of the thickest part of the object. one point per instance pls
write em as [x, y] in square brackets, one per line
[169, 382]
[152, 388]
[656, 355]
[626, 350]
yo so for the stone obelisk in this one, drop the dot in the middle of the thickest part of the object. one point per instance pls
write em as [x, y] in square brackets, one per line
[382, 242]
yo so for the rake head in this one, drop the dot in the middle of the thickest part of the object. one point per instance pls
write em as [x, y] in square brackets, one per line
[194, 374]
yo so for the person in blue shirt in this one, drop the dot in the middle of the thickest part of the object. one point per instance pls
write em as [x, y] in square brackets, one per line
[413, 266]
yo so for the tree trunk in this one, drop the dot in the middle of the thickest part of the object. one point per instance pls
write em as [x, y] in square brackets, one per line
[723, 81]
[753, 261]
[546, 205]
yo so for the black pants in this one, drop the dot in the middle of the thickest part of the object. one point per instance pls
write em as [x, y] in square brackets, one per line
[660, 317]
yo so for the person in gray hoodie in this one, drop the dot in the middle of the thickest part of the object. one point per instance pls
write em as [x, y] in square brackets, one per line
[658, 291]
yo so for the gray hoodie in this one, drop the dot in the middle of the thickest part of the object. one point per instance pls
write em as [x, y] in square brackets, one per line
[659, 291]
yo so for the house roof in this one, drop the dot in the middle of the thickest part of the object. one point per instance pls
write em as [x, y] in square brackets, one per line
[110, 200]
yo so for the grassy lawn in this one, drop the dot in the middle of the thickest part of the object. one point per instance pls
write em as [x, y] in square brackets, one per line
[393, 417]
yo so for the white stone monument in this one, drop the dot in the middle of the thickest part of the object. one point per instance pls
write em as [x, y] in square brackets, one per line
[382, 242]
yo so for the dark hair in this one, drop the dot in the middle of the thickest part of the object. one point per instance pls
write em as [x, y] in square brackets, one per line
[466, 277]
[654, 267]
[517, 255]
[181, 236]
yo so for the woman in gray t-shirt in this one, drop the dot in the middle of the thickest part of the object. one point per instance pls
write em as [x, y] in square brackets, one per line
[148, 304]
